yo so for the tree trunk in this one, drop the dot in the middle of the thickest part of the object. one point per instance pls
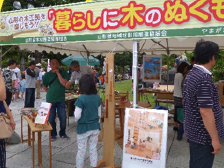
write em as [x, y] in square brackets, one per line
[22, 62]
[37, 56]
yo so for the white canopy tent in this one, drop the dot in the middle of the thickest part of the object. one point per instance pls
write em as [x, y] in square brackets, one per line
[175, 45]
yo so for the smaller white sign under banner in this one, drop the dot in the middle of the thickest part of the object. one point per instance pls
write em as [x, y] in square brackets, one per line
[145, 138]
[152, 66]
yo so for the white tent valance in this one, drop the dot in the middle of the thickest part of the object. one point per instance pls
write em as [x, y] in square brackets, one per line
[158, 46]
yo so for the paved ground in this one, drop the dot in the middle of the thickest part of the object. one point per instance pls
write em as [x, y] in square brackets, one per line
[64, 151]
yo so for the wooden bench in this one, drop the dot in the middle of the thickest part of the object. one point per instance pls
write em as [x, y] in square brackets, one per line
[164, 98]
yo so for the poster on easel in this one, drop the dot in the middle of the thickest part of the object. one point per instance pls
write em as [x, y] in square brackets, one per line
[152, 68]
[145, 138]
[43, 113]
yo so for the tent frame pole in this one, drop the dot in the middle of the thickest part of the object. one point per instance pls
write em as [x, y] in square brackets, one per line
[135, 74]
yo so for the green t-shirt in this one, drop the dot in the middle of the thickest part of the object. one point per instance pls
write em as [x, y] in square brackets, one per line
[89, 118]
[56, 92]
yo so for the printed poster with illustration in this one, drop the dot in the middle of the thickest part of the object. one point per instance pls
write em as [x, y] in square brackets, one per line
[145, 138]
[152, 66]
[43, 113]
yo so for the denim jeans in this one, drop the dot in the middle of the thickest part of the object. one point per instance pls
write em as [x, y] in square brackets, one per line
[60, 107]
[30, 97]
[200, 155]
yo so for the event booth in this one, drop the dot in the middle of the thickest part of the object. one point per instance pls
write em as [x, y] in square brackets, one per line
[115, 26]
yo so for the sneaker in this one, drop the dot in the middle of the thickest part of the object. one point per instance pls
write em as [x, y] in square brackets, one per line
[65, 136]
[53, 138]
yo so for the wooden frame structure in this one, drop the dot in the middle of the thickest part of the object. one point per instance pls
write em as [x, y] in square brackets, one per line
[109, 118]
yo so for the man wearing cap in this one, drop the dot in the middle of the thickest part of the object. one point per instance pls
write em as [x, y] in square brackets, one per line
[38, 79]
[78, 72]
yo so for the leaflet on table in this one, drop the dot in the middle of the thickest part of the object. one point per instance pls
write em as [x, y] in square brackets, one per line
[43, 113]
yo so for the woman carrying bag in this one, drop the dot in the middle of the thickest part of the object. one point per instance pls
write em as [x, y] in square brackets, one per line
[4, 109]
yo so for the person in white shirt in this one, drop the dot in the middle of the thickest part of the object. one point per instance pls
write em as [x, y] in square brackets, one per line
[79, 71]
[17, 70]
[178, 96]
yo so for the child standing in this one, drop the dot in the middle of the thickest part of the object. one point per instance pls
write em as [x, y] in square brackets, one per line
[22, 86]
[16, 88]
[87, 114]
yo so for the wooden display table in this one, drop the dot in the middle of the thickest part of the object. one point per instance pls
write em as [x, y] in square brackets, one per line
[162, 96]
[69, 103]
[32, 127]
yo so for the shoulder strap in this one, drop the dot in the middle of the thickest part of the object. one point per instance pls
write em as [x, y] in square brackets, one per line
[53, 80]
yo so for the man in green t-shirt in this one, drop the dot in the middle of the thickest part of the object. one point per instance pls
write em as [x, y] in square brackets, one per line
[54, 84]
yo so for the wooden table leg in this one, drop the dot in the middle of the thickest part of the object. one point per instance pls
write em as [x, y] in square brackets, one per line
[22, 128]
[33, 134]
[39, 150]
[33, 137]
[122, 121]
[50, 149]
[29, 136]
[122, 111]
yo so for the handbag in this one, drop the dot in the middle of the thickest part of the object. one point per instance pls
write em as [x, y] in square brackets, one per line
[5, 126]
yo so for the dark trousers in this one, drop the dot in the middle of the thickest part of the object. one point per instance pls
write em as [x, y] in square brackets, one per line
[180, 129]
[30, 97]
[58, 107]
[200, 155]
[8, 97]
[2, 154]
[175, 113]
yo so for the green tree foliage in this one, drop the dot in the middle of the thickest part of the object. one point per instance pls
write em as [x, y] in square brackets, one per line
[218, 69]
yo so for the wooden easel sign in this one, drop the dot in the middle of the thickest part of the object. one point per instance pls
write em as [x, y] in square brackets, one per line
[145, 138]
